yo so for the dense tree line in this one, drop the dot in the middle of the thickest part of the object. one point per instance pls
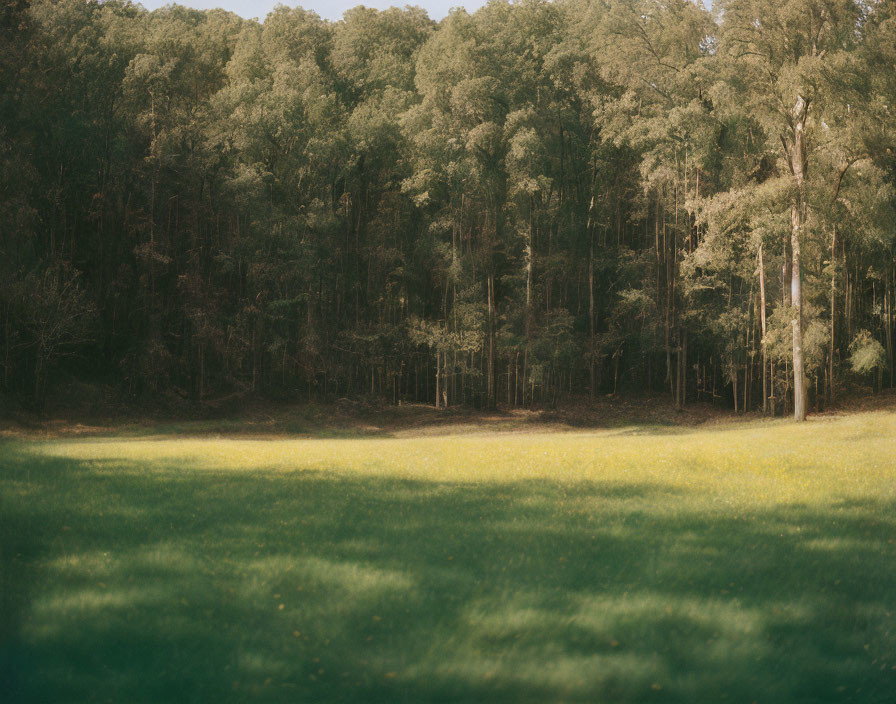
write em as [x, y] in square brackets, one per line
[536, 200]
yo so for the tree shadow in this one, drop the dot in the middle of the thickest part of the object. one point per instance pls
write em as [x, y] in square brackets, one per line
[129, 582]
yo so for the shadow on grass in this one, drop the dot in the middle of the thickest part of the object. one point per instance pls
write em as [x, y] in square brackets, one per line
[161, 583]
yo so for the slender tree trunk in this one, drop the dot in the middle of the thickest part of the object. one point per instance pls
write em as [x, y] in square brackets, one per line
[438, 375]
[444, 379]
[667, 333]
[680, 364]
[491, 342]
[748, 366]
[734, 383]
[763, 328]
[529, 255]
[847, 301]
[796, 322]
[787, 386]
[590, 304]
[615, 373]
[202, 372]
[683, 369]
[798, 163]
[833, 316]
[887, 326]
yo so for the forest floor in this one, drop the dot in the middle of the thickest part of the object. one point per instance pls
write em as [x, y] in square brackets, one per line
[345, 418]
[710, 561]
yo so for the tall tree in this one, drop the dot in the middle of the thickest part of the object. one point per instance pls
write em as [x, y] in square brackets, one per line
[780, 51]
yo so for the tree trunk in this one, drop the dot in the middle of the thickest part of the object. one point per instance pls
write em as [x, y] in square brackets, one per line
[491, 342]
[833, 316]
[438, 375]
[590, 304]
[798, 163]
[762, 322]
[734, 384]
[683, 369]
[667, 331]
[889, 327]
[529, 254]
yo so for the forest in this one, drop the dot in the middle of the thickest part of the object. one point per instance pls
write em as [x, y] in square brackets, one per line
[534, 202]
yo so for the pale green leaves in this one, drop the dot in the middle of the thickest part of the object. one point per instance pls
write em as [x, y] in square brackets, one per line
[866, 354]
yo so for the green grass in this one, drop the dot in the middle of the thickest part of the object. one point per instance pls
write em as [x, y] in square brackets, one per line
[739, 563]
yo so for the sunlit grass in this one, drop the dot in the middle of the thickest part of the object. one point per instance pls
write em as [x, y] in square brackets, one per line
[750, 464]
[737, 562]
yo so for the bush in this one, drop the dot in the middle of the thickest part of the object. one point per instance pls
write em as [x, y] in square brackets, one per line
[866, 354]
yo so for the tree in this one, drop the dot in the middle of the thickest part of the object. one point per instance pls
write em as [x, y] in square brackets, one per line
[510, 206]
[780, 51]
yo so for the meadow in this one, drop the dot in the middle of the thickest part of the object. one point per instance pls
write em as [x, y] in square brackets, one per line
[742, 562]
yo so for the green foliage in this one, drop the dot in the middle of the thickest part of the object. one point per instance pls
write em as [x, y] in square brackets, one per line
[49, 317]
[866, 354]
[555, 194]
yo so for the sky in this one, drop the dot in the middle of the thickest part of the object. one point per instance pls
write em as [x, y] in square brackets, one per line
[328, 9]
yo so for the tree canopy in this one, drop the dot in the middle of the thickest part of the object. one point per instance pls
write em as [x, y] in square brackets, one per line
[533, 201]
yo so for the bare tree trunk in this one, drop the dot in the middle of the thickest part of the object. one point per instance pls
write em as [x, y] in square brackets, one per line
[798, 163]
[787, 272]
[615, 372]
[787, 379]
[796, 321]
[491, 342]
[889, 326]
[529, 254]
[762, 319]
[683, 369]
[847, 295]
[680, 362]
[748, 347]
[734, 383]
[590, 305]
[667, 330]
[438, 375]
[509, 375]
[833, 315]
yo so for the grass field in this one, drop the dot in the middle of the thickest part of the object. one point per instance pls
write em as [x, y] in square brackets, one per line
[741, 562]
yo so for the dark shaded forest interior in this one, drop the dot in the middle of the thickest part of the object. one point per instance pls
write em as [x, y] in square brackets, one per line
[530, 204]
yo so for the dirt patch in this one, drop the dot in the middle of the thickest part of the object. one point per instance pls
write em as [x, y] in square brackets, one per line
[351, 418]
[360, 418]
[883, 400]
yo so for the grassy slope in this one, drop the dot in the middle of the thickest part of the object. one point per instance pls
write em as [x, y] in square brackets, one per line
[739, 563]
